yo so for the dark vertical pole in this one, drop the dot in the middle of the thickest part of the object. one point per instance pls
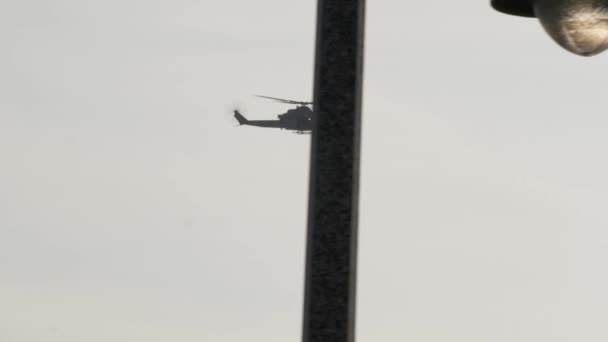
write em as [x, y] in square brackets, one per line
[329, 308]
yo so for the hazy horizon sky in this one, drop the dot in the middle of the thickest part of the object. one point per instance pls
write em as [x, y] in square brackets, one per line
[132, 208]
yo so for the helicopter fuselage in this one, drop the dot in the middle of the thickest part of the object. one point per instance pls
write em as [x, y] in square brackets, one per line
[299, 119]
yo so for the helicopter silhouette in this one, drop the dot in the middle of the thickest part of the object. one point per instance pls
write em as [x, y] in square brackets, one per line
[298, 119]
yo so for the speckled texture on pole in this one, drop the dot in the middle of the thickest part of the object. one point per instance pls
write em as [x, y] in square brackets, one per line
[329, 308]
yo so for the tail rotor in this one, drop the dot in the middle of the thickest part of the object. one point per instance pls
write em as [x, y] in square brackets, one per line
[230, 114]
[240, 118]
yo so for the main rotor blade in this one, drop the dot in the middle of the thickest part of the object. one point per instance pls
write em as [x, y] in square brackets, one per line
[284, 100]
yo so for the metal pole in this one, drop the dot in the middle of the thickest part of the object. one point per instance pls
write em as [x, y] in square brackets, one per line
[329, 304]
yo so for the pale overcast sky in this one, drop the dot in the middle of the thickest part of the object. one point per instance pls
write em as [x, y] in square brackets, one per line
[132, 208]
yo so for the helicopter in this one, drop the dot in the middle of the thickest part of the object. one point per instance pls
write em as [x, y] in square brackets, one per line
[298, 119]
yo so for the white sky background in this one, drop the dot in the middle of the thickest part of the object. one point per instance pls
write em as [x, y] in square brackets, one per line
[132, 209]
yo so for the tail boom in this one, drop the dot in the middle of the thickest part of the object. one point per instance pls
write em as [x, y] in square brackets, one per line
[260, 123]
